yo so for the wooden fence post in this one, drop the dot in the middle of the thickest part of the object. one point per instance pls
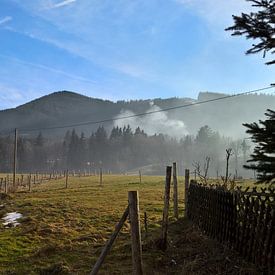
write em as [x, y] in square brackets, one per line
[135, 232]
[163, 244]
[100, 177]
[30, 183]
[14, 159]
[66, 179]
[139, 172]
[175, 184]
[109, 243]
[186, 186]
[6, 187]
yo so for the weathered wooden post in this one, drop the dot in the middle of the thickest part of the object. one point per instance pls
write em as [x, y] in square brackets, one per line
[66, 179]
[110, 242]
[14, 158]
[175, 185]
[186, 187]
[6, 187]
[100, 177]
[163, 244]
[135, 232]
[30, 183]
[139, 172]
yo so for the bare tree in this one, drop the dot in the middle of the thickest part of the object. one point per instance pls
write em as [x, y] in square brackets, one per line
[203, 176]
[229, 153]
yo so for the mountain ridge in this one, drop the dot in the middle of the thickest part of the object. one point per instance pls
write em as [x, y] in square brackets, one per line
[66, 108]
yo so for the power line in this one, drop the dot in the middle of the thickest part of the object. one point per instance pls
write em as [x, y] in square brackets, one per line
[143, 114]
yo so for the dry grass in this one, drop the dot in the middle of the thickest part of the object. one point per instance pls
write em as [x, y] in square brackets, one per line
[63, 230]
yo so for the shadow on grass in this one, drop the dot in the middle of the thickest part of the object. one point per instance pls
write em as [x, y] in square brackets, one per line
[189, 251]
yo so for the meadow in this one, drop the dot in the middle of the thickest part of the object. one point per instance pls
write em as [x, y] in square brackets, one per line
[63, 230]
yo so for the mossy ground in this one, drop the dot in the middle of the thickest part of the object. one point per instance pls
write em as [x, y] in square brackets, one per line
[63, 230]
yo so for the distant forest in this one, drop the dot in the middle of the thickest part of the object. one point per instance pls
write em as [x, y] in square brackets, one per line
[124, 150]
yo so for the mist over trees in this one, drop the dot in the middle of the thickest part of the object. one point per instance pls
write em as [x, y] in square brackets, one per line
[67, 108]
[124, 149]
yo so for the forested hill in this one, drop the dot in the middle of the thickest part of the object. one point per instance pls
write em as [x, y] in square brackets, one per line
[66, 108]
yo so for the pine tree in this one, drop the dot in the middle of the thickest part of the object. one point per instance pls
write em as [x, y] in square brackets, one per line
[263, 156]
[259, 26]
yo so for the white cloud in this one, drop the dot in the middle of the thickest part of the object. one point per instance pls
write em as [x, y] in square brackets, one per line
[64, 3]
[5, 20]
[50, 5]
[155, 123]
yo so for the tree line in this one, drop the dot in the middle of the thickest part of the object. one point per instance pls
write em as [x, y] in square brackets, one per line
[124, 149]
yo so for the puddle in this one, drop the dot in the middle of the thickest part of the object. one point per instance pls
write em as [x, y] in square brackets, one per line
[10, 219]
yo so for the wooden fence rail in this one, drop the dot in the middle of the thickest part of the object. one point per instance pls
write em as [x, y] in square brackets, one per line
[243, 220]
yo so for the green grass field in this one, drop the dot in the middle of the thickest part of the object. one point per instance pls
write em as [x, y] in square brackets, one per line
[63, 230]
[66, 228]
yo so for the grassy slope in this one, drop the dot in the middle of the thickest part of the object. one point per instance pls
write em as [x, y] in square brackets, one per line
[63, 231]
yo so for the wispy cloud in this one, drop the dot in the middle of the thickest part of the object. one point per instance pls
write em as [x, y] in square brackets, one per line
[216, 12]
[134, 71]
[62, 4]
[10, 96]
[5, 20]
[128, 69]
[47, 68]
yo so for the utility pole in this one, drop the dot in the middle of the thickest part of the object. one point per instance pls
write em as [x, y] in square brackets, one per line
[14, 158]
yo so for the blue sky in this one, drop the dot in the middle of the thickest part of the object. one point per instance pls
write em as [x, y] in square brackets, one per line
[124, 49]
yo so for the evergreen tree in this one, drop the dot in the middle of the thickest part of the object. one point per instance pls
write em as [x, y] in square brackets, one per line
[264, 153]
[39, 155]
[258, 26]
[73, 151]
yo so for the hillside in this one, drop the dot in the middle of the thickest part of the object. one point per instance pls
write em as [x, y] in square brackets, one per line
[66, 108]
